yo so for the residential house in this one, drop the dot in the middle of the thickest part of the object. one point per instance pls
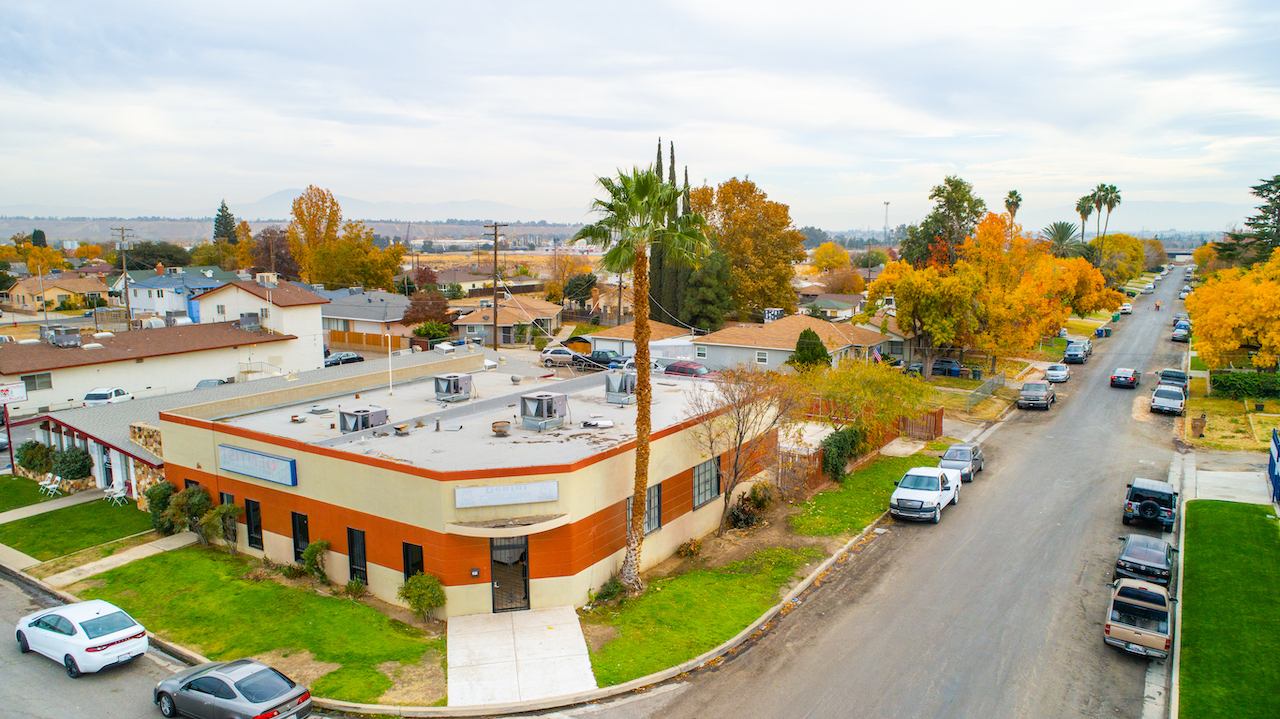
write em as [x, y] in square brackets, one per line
[468, 278]
[513, 311]
[371, 312]
[620, 338]
[902, 345]
[831, 310]
[170, 295]
[283, 307]
[55, 290]
[770, 345]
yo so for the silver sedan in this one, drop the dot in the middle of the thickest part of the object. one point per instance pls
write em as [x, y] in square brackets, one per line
[222, 690]
[1057, 373]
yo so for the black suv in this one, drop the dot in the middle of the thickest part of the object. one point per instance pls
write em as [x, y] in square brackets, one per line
[1152, 501]
[1146, 558]
[1176, 378]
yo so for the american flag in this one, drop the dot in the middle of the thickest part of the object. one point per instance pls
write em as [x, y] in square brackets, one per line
[875, 354]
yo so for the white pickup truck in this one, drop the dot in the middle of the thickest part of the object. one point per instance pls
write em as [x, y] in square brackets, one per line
[923, 492]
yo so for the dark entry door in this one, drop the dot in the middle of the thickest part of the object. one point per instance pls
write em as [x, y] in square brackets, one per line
[301, 536]
[509, 558]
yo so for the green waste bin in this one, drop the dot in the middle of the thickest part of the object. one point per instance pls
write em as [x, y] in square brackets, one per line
[977, 373]
[1106, 331]
[1115, 317]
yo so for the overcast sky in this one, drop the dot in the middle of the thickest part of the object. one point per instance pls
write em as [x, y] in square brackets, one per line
[833, 108]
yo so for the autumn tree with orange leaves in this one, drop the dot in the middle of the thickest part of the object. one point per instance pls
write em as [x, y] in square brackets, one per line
[330, 251]
[1238, 309]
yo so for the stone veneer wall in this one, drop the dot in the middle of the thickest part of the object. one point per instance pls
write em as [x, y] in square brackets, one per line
[68, 486]
[146, 476]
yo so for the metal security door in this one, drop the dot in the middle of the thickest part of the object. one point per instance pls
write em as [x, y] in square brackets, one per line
[509, 558]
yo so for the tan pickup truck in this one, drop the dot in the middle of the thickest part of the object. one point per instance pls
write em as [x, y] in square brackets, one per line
[1139, 618]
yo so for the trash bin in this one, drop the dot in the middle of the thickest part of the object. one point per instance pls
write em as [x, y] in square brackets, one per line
[977, 373]
[1106, 331]
[1197, 426]
[1098, 333]
[954, 371]
[1115, 317]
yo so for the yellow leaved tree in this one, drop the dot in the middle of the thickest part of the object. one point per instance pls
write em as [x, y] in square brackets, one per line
[830, 256]
[332, 252]
[1237, 309]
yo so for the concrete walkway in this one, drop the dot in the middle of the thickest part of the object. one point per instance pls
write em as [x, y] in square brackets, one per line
[11, 557]
[517, 656]
[1248, 487]
[165, 544]
[66, 500]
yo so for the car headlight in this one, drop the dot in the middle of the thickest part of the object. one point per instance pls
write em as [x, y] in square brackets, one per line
[929, 505]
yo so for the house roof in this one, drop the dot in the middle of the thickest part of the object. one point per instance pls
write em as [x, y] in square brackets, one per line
[164, 282]
[783, 334]
[99, 269]
[284, 294]
[889, 322]
[374, 306]
[854, 300]
[516, 310]
[75, 285]
[658, 331]
[18, 359]
[214, 271]
[825, 304]
[459, 275]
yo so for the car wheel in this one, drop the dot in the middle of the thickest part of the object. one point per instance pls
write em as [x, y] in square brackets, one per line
[1125, 519]
[548, 363]
[73, 670]
[166, 706]
[937, 515]
[982, 465]
[956, 498]
[22, 643]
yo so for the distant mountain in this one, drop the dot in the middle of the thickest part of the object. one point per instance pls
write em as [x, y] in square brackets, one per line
[279, 205]
[1134, 216]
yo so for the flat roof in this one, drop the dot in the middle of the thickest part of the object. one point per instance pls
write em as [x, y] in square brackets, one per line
[465, 440]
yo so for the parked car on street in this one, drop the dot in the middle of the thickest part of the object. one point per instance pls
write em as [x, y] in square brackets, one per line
[1181, 334]
[943, 366]
[1169, 399]
[105, 395]
[84, 638]
[1175, 377]
[1125, 377]
[923, 492]
[597, 360]
[1075, 354]
[1148, 289]
[1183, 295]
[1152, 501]
[686, 368]
[1179, 318]
[964, 456]
[1139, 619]
[338, 358]
[630, 365]
[1126, 309]
[1085, 343]
[222, 690]
[1147, 558]
[1036, 394]
[1057, 373]
[558, 355]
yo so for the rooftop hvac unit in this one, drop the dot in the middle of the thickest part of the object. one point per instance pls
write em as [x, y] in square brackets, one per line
[544, 410]
[153, 323]
[358, 418]
[773, 313]
[620, 387]
[250, 321]
[65, 337]
[453, 387]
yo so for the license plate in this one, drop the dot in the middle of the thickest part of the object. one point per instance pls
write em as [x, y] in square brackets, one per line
[1137, 648]
[123, 658]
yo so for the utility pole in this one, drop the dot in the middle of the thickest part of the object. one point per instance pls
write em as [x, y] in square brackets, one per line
[124, 267]
[495, 227]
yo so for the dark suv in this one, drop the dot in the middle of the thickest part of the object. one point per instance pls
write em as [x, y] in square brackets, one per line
[1176, 378]
[1152, 501]
[1146, 558]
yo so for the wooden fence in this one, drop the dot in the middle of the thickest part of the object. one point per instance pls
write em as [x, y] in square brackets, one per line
[927, 426]
[364, 342]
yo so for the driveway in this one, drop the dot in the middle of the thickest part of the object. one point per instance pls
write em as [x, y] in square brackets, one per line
[995, 612]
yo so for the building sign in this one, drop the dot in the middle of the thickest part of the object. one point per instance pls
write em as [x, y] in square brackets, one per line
[13, 392]
[280, 470]
[502, 494]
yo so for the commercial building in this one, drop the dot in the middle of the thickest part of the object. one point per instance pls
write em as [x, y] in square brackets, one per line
[515, 496]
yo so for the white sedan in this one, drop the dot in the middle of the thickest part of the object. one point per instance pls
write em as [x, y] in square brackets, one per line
[105, 395]
[923, 492]
[1126, 309]
[84, 637]
[1057, 373]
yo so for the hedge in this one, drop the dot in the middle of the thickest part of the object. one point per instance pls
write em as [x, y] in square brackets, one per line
[1244, 385]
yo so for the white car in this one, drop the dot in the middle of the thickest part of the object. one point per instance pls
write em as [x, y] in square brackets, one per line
[557, 355]
[85, 637]
[1169, 399]
[106, 395]
[1183, 295]
[1126, 309]
[1148, 289]
[1057, 373]
[923, 492]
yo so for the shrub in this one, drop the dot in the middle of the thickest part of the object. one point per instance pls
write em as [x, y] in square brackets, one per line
[72, 463]
[158, 496]
[355, 589]
[187, 507]
[691, 548]
[423, 593]
[1245, 385]
[431, 330]
[760, 496]
[34, 456]
[610, 590]
[220, 523]
[294, 571]
[313, 559]
[539, 343]
[744, 513]
[839, 447]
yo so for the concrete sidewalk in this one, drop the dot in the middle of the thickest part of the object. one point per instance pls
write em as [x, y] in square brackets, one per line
[76, 574]
[66, 500]
[1248, 487]
[517, 656]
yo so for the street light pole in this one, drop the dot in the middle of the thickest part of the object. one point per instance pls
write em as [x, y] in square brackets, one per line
[391, 390]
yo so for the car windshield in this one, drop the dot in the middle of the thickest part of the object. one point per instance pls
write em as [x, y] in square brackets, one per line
[1146, 555]
[1160, 498]
[1057, 368]
[107, 624]
[919, 481]
[1035, 387]
[264, 686]
[98, 395]
[1133, 615]
[700, 370]
[961, 453]
[1168, 394]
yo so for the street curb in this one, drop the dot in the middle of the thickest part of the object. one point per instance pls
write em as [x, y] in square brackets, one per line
[567, 700]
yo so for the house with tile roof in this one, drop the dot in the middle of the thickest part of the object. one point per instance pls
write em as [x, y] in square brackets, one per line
[284, 307]
[513, 311]
[55, 290]
[903, 344]
[770, 345]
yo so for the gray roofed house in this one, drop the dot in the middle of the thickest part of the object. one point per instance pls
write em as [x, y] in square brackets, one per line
[372, 312]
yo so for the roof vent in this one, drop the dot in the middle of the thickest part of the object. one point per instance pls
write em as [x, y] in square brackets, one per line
[92, 346]
[100, 335]
[29, 342]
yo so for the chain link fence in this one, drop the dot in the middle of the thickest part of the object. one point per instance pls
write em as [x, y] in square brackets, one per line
[974, 398]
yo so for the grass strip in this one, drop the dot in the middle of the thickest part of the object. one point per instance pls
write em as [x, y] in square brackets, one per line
[18, 492]
[71, 529]
[681, 617]
[1230, 629]
[862, 497]
[200, 597]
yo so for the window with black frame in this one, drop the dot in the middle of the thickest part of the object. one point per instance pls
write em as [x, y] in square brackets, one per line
[356, 555]
[652, 509]
[253, 523]
[706, 482]
[412, 560]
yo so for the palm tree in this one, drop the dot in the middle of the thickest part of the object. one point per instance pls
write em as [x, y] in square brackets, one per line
[1012, 202]
[638, 216]
[1110, 198]
[1099, 198]
[1084, 208]
[1061, 239]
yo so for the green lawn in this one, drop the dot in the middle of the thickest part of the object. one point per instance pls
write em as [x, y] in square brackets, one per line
[71, 529]
[679, 618]
[1198, 365]
[862, 497]
[580, 330]
[18, 492]
[1230, 629]
[955, 382]
[200, 597]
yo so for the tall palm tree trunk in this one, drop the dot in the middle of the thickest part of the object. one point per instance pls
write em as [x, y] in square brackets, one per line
[644, 424]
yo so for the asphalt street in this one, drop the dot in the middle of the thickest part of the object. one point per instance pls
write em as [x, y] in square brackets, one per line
[998, 610]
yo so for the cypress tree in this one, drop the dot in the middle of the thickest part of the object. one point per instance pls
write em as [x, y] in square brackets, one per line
[657, 261]
[224, 225]
[687, 209]
[38, 239]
